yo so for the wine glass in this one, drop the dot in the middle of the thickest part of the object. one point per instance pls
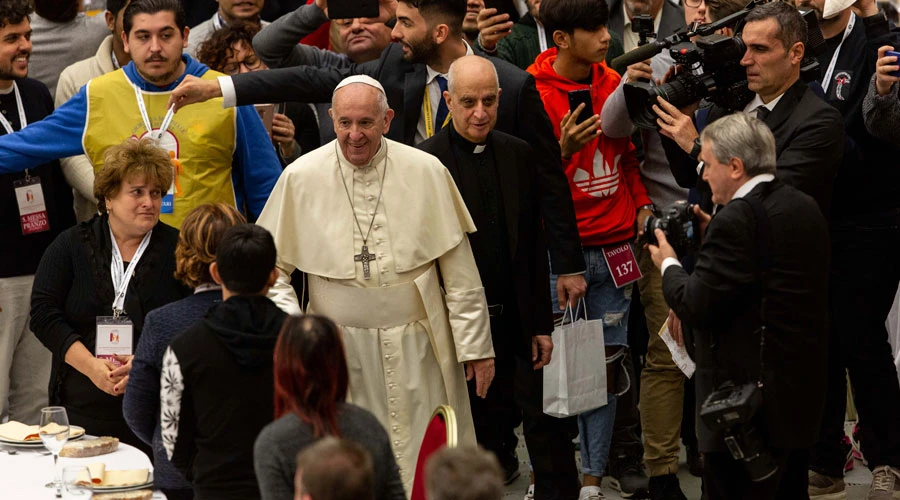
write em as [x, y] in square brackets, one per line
[54, 433]
[76, 481]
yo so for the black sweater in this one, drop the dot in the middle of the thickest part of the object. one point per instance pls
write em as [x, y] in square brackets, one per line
[868, 179]
[20, 254]
[72, 286]
[217, 395]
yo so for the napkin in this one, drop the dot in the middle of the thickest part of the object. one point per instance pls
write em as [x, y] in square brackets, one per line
[94, 475]
[99, 476]
[17, 431]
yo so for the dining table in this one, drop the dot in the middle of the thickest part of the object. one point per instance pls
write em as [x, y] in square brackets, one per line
[24, 472]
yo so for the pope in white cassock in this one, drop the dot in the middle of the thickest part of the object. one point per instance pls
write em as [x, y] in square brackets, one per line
[380, 230]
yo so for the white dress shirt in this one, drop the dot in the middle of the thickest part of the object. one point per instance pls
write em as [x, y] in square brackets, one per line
[434, 97]
[757, 102]
[630, 39]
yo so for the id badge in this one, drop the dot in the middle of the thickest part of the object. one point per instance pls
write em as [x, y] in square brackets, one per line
[114, 336]
[32, 209]
[168, 201]
[623, 266]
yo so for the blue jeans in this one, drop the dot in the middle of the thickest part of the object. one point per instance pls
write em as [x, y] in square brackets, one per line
[603, 301]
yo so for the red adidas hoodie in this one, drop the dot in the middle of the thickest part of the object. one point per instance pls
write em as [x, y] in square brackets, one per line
[603, 177]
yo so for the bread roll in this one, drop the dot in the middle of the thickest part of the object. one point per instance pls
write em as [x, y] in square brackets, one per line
[90, 447]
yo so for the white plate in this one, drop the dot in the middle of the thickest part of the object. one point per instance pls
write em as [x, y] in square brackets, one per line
[112, 489]
[38, 443]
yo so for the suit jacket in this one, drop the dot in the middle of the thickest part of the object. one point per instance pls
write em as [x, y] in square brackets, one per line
[521, 114]
[672, 18]
[523, 207]
[809, 142]
[721, 301]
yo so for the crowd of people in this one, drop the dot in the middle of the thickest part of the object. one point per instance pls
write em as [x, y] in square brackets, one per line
[265, 252]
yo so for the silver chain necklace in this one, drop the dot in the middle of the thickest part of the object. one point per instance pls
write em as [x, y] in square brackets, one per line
[363, 256]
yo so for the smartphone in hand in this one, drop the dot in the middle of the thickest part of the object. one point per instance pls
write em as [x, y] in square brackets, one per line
[897, 55]
[350, 9]
[577, 97]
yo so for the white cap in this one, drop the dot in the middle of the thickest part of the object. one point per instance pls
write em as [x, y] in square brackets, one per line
[364, 79]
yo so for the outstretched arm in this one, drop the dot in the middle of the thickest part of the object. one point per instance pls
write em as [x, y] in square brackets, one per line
[56, 136]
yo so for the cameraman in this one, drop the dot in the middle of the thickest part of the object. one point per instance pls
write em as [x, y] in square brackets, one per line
[779, 259]
[809, 134]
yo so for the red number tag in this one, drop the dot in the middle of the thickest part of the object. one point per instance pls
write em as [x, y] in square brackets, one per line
[622, 265]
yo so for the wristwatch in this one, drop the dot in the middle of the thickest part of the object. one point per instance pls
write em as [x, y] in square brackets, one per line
[695, 151]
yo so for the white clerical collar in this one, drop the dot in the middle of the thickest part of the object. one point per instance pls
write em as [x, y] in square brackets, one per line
[7, 90]
[752, 183]
[432, 74]
[757, 102]
[377, 157]
[656, 20]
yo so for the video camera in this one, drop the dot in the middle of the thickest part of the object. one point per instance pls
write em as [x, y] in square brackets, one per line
[732, 410]
[678, 223]
[723, 81]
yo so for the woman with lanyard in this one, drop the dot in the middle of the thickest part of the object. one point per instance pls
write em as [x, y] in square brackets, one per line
[96, 282]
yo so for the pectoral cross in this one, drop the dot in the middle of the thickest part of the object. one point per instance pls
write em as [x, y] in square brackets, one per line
[365, 257]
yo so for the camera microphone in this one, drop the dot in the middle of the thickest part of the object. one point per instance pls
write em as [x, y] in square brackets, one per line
[641, 53]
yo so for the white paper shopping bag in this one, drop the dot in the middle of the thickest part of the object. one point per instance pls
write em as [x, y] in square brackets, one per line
[575, 378]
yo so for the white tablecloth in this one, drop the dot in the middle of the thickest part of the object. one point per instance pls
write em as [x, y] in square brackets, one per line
[23, 476]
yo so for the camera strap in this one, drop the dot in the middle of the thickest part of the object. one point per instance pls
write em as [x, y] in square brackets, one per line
[765, 263]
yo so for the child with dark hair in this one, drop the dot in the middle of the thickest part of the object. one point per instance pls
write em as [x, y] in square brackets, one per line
[311, 383]
[217, 384]
[607, 192]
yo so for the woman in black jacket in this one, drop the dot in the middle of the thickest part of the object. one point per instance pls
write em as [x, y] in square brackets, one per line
[121, 265]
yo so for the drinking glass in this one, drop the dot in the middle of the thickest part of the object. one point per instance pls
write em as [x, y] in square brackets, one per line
[54, 433]
[70, 478]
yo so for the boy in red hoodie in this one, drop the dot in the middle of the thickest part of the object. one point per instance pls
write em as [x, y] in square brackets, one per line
[606, 189]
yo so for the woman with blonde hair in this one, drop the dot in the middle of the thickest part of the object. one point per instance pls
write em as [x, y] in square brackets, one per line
[118, 264]
[201, 233]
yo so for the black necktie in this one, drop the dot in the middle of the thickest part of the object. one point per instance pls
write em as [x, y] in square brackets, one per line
[762, 112]
[442, 110]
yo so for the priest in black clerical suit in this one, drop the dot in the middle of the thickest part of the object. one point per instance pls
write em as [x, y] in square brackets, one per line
[496, 174]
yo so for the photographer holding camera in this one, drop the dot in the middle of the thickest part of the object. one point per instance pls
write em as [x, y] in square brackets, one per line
[757, 300]
[809, 134]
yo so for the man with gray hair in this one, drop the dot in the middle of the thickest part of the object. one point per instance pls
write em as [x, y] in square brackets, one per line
[379, 228]
[757, 300]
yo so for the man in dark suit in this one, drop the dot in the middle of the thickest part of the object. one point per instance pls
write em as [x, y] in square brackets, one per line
[809, 134]
[668, 17]
[500, 186]
[760, 285]
[428, 39]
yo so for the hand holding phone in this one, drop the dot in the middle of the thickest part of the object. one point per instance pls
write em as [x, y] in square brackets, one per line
[577, 97]
[887, 69]
[580, 125]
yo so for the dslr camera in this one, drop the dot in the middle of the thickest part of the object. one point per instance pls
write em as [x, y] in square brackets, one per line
[732, 410]
[678, 223]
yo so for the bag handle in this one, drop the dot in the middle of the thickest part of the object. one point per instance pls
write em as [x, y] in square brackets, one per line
[574, 315]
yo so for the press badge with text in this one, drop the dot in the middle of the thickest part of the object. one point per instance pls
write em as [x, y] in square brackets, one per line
[32, 209]
[623, 267]
[114, 337]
